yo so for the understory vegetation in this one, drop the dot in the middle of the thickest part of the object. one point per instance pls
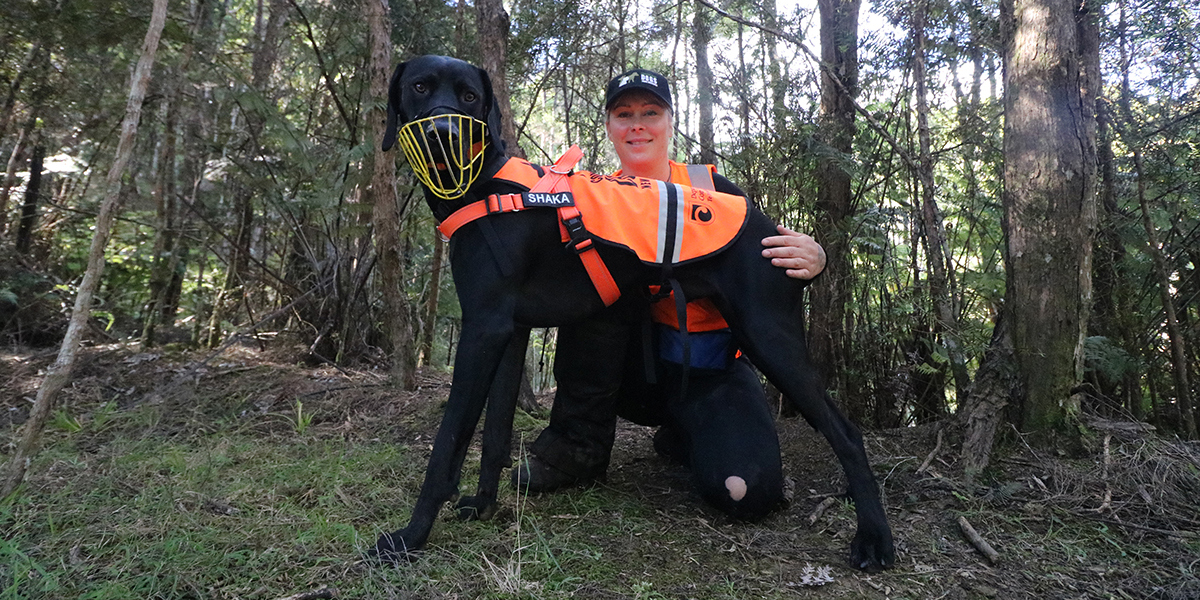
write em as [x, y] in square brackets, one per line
[166, 478]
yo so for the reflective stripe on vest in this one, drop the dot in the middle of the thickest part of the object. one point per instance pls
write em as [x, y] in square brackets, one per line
[670, 223]
[702, 314]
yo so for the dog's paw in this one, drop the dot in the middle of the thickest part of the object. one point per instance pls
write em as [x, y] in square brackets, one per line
[391, 548]
[475, 508]
[872, 549]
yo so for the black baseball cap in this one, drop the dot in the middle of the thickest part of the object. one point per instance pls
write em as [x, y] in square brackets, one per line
[638, 79]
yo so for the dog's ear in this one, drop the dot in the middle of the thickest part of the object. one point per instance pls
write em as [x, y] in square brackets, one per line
[493, 118]
[393, 108]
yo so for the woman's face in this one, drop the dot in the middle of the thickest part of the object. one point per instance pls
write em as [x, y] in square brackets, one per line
[639, 127]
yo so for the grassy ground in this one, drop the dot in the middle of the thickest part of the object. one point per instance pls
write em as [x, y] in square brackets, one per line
[255, 478]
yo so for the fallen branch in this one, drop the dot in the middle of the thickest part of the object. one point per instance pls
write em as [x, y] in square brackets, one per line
[325, 593]
[977, 540]
[936, 448]
[820, 509]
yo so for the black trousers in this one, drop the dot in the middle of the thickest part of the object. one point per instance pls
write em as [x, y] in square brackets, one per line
[722, 426]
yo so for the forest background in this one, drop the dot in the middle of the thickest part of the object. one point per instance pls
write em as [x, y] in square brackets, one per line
[1006, 190]
[248, 191]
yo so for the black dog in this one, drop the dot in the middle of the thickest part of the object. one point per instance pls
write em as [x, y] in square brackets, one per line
[536, 282]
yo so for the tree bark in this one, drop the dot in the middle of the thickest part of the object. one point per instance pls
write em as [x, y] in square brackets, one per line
[705, 94]
[59, 373]
[431, 300]
[1049, 187]
[10, 173]
[997, 385]
[31, 62]
[835, 203]
[385, 210]
[33, 188]
[493, 24]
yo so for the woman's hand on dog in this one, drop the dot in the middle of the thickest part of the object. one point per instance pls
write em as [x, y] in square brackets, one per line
[799, 253]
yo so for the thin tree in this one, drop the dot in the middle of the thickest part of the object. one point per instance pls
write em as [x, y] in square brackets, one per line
[931, 215]
[705, 93]
[493, 24]
[267, 34]
[59, 373]
[33, 189]
[835, 202]
[1179, 362]
[385, 210]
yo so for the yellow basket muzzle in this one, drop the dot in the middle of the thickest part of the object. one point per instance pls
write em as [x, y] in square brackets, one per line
[445, 152]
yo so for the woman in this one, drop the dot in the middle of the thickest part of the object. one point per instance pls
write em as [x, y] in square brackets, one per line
[722, 427]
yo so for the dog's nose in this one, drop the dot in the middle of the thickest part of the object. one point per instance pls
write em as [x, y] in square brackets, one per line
[441, 130]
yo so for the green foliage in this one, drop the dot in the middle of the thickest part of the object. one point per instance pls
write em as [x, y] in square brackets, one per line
[1109, 360]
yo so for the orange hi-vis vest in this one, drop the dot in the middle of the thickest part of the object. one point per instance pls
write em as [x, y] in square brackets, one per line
[662, 223]
[702, 314]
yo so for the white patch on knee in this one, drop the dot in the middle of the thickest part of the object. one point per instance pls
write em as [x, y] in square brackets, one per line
[736, 486]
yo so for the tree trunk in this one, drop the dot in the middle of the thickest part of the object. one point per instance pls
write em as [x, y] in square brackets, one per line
[492, 25]
[940, 292]
[164, 225]
[705, 94]
[385, 211]
[778, 102]
[1113, 315]
[59, 373]
[1179, 362]
[431, 300]
[835, 203]
[1049, 186]
[32, 58]
[33, 188]
[997, 384]
[10, 173]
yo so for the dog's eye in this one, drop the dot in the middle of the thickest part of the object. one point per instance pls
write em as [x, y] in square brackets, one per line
[420, 88]
[469, 97]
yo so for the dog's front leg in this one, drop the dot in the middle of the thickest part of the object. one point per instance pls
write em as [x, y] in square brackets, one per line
[497, 430]
[481, 346]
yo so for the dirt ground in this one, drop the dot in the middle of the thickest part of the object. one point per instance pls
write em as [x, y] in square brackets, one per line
[1120, 522]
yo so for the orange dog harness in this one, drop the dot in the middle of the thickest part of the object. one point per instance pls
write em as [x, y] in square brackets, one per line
[662, 223]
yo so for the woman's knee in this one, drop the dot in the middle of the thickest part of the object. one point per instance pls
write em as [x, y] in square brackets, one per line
[747, 497]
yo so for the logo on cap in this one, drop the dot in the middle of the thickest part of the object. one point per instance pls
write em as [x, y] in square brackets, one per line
[642, 77]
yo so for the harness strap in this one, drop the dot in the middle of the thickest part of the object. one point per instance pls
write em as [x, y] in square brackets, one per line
[681, 313]
[581, 242]
[570, 221]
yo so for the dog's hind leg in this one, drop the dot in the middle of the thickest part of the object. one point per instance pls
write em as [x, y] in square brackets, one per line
[497, 430]
[764, 310]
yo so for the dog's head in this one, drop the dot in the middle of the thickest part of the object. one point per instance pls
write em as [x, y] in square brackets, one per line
[445, 116]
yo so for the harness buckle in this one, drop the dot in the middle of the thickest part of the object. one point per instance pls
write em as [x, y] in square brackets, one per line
[580, 239]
